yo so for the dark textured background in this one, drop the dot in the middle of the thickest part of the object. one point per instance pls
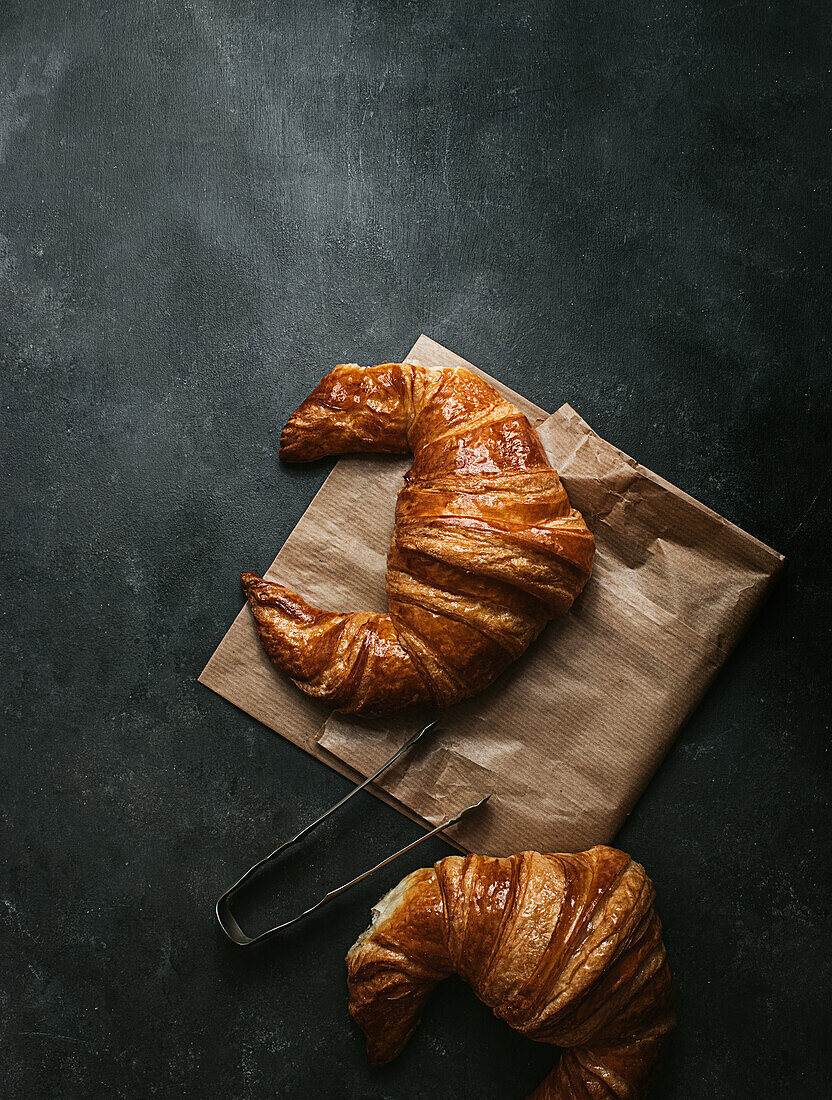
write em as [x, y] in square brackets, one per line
[203, 205]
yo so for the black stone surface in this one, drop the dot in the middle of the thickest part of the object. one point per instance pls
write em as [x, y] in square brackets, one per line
[204, 204]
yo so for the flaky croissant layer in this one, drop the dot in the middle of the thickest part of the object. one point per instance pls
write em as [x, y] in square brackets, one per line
[486, 548]
[567, 949]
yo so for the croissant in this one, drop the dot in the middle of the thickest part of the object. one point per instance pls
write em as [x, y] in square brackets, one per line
[567, 949]
[486, 547]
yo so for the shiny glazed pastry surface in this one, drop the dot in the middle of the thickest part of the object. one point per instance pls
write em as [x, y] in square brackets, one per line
[486, 548]
[567, 949]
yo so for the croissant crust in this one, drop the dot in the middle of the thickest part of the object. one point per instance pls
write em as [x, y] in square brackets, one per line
[486, 548]
[567, 949]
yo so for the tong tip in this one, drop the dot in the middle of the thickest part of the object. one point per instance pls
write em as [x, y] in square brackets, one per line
[467, 810]
[418, 736]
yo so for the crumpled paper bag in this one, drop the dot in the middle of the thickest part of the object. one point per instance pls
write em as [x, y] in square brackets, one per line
[569, 736]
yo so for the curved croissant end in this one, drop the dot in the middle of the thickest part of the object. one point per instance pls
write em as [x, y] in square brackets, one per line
[486, 547]
[567, 949]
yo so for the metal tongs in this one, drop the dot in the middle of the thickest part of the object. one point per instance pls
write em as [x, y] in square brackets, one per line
[226, 918]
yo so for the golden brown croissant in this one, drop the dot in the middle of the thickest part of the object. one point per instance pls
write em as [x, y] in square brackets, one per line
[486, 548]
[567, 949]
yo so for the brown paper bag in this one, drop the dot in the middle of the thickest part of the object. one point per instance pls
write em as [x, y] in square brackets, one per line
[570, 735]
